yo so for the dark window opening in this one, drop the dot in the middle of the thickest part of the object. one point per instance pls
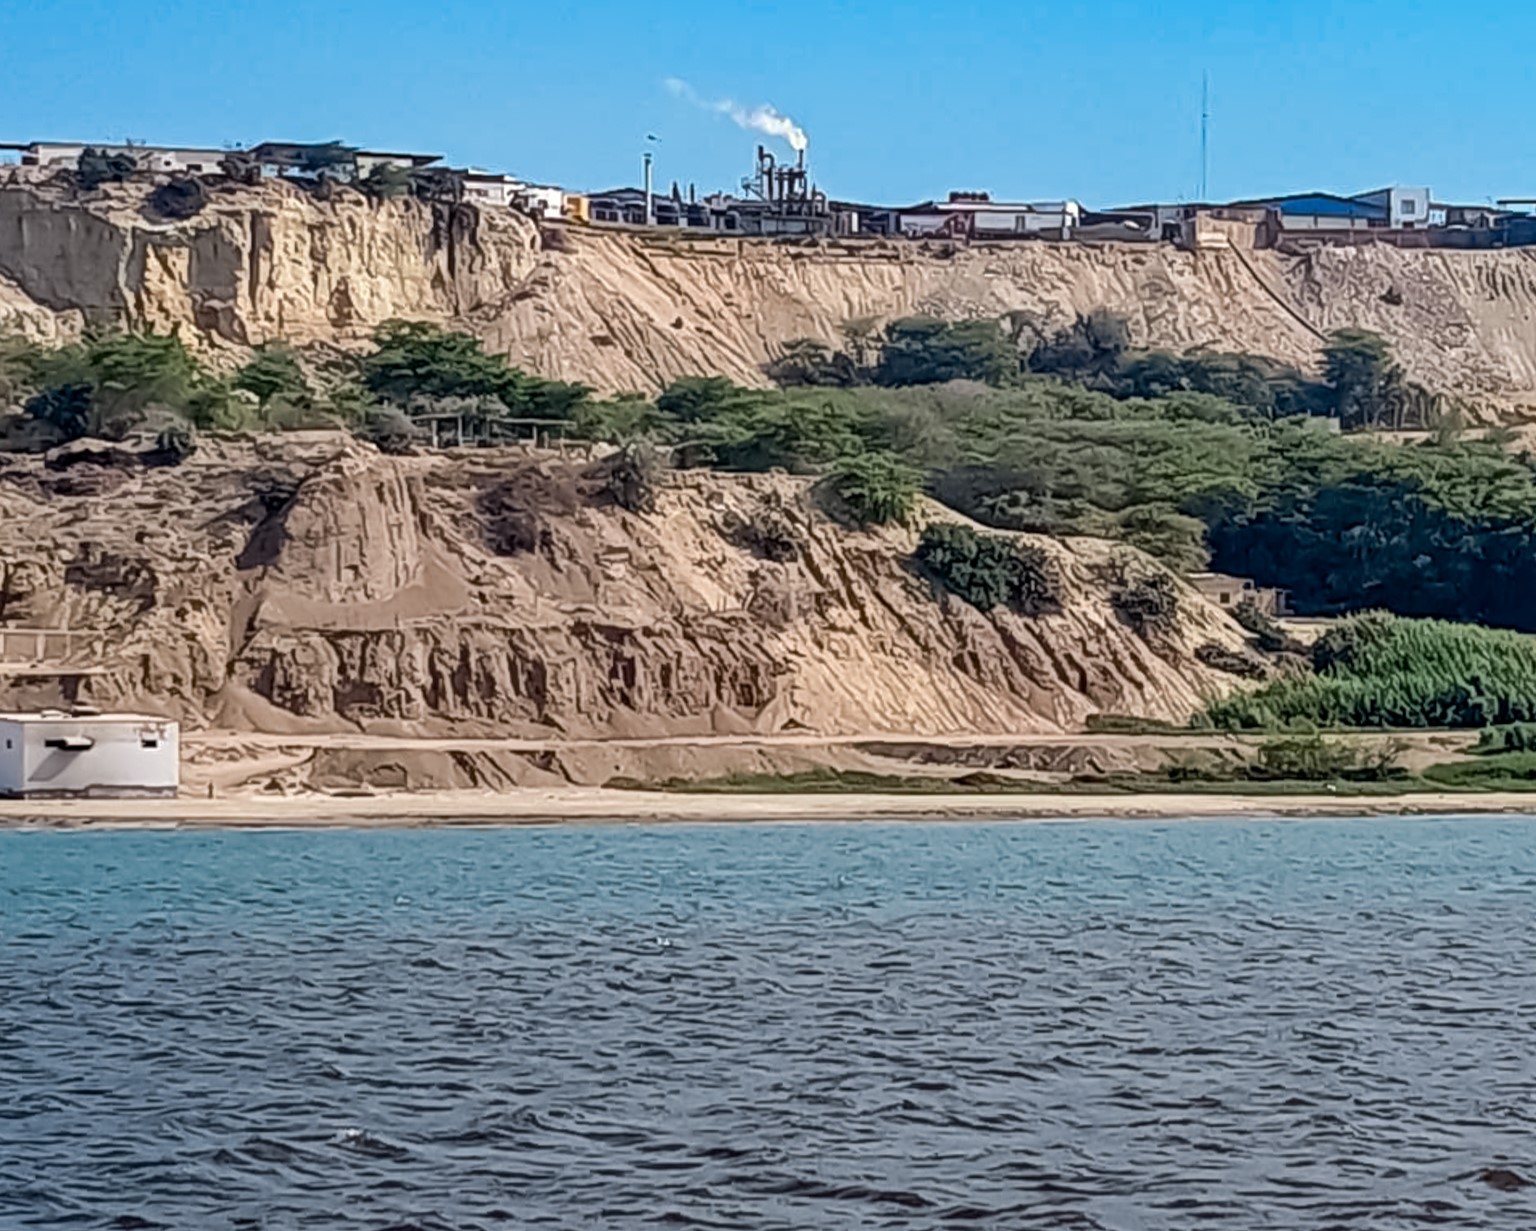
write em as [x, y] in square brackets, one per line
[149, 743]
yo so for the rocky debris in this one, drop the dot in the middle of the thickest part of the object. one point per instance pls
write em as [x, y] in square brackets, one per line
[312, 584]
[618, 311]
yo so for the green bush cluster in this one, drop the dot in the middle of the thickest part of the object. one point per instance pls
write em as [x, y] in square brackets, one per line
[877, 489]
[1508, 771]
[1191, 458]
[990, 570]
[1382, 671]
[1514, 737]
[1149, 604]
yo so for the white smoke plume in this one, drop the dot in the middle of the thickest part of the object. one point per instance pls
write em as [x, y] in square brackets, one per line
[762, 118]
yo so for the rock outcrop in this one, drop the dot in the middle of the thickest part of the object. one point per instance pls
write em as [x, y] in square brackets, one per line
[619, 311]
[307, 583]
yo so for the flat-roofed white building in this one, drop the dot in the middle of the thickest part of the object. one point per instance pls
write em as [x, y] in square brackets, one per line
[194, 159]
[83, 753]
[975, 215]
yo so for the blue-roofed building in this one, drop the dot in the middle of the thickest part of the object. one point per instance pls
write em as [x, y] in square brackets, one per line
[1323, 211]
[1396, 208]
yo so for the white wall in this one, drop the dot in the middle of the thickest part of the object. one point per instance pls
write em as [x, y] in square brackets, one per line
[149, 158]
[126, 755]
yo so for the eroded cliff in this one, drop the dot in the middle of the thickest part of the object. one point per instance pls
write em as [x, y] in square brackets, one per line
[622, 312]
[308, 583]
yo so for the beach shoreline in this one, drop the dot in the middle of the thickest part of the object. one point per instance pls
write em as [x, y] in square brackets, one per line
[588, 806]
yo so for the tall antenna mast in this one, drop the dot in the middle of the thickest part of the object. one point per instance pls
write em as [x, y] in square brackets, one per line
[1205, 125]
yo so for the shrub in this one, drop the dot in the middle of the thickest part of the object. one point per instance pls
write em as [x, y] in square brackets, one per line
[179, 199]
[174, 443]
[990, 570]
[630, 477]
[807, 362]
[1150, 605]
[65, 408]
[388, 429]
[1384, 671]
[97, 167]
[1514, 737]
[878, 489]
[1219, 658]
[1311, 758]
[273, 372]
[385, 182]
[768, 534]
[1509, 771]
[1266, 630]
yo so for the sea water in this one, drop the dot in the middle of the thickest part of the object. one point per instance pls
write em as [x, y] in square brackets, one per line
[1089, 1025]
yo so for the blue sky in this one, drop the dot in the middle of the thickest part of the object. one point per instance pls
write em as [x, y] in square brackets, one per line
[902, 100]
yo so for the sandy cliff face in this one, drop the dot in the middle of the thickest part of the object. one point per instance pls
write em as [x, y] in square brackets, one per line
[619, 312]
[310, 584]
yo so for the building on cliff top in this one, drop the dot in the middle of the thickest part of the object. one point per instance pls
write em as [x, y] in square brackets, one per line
[191, 159]
[975, 215]
[86, 753]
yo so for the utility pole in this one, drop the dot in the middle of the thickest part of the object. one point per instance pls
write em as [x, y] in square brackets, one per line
[650, 202]
[1205, 125]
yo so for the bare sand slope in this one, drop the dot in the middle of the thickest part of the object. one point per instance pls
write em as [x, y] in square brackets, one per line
[619, 311]
[308, 584]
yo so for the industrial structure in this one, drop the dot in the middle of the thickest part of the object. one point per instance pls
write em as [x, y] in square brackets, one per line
[779, 200]
[85, 753]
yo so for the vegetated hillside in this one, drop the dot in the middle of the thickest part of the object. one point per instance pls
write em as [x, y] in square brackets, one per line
[620, 311]
[308, 583]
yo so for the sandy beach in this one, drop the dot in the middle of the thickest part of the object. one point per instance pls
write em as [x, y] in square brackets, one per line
[598, 806]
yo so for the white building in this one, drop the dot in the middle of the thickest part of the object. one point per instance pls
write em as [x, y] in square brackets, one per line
[59, 753]
[975, 215]
[541, 200]
[150, 158]
[488, 188]
[1407, 209]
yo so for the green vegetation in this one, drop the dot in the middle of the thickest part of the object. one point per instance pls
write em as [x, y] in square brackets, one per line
[1200, 459]
[990, 570]
[1266, 630]
[877, 489]
[111, 384]
[97, 167]
[415, 364]
[835, 782]
[1149, 604]
[1381, 671]
[1509, 771]
[1515, 737]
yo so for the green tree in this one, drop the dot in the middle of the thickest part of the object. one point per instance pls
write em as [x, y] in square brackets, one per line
[921, 350]
[274, 372]
[1359, 371]
[694, 399]
[105, 384]
[806, 362]
[416, 360]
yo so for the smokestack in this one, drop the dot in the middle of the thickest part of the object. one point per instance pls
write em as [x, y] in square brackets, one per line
[650, 211]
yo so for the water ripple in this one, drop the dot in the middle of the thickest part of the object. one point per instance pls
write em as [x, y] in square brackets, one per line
[1117, 1027]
